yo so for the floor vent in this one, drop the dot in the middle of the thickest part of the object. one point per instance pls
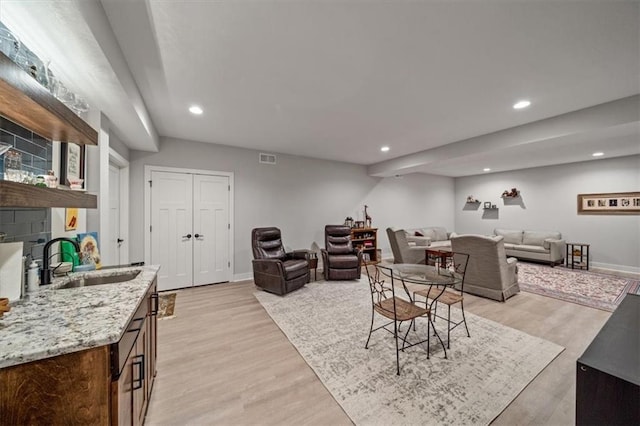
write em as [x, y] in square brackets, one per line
[267, 158]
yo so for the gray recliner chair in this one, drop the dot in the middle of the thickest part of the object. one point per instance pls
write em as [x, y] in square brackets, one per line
[402, 251]
[490, 273]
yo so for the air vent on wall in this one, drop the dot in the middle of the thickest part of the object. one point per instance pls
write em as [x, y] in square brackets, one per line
[267, 158]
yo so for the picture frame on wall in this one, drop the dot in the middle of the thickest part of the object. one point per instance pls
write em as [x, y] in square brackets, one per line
[614, 203]
[487, 204]
[72, 159]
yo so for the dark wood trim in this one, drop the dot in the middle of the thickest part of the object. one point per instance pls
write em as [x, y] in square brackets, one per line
[24, 101]
[13, 194]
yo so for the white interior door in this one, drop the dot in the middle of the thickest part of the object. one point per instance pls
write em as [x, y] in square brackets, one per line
[171, 228]
[211, 229]
[112, 256]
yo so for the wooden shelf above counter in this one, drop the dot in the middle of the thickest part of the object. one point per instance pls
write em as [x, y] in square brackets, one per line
[13, 194]
[24, 101]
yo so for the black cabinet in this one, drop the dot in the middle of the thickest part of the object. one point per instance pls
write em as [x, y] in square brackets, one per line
[608, 373]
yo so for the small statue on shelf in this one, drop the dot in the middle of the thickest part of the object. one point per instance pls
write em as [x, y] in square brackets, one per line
[367, 218]
[510, 194]
[471, 199]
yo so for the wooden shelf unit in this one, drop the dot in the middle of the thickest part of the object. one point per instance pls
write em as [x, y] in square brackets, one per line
[367, 240]
[26, 102]
[13, 194]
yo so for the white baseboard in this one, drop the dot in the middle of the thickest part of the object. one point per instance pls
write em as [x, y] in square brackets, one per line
[616, 268]
[243, 277]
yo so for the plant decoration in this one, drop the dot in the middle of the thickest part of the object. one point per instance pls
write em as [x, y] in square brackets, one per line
[513, 193]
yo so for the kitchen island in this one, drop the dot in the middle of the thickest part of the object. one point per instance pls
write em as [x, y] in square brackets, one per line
[80, 355]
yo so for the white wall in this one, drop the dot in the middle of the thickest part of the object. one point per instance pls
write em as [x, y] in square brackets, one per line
[549, 202]
[299, 195]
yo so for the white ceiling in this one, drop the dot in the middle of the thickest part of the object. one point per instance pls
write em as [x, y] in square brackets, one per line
[337, 80]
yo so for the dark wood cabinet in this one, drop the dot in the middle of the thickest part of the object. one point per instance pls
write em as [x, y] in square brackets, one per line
[103, 385]
[608, 373]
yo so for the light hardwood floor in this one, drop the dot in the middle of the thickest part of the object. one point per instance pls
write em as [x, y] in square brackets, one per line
[223, 361]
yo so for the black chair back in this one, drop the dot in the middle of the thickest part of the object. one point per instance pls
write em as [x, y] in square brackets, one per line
[337, 239]
[267, 243]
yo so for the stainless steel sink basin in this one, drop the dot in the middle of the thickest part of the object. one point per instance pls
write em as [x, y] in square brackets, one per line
[107, 279]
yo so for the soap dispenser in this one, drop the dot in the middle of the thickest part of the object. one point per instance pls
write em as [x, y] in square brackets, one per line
[33, 277]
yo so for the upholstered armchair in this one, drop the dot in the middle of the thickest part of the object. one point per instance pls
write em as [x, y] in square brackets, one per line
[490, 273]
[402, 251]
[274, 270]
[340, 260]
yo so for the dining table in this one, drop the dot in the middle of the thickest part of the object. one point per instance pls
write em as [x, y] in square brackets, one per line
[433, 276]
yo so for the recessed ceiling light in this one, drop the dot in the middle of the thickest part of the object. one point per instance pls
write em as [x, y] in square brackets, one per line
[195, 109]
[521, 104]
[384, 149]
[598, 154]
[486, 169]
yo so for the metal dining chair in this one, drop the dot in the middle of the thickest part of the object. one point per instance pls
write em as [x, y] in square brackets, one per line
[385, 302]
[448, 297]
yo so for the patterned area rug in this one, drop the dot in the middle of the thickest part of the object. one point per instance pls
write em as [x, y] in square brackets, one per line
[167, 304]
[583, 287]
[328, 323]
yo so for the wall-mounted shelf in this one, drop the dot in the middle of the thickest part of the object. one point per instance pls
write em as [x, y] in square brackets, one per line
[13, 194]
[490, 208]
[473, 202]
[24, 101]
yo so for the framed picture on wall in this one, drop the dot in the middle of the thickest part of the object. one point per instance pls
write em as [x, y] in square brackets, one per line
[71, 162]
[613, 203]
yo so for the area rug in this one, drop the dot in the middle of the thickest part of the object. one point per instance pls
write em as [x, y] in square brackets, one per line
[328, 323]
[166, 305]
[591, 289]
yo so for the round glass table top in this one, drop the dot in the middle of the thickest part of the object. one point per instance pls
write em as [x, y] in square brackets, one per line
[422, 274]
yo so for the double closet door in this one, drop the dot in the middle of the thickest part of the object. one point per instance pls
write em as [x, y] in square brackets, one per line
[190, 228]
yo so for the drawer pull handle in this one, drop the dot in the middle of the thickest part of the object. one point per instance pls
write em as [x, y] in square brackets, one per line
[137, 383]
[583, 368]
[155, 304]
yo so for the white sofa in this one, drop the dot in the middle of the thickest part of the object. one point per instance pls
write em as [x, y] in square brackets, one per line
[434, 236]
[545, 246]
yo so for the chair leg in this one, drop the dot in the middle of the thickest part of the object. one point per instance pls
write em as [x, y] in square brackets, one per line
[395, 335]
[428, 335]
[448, 326]
[366, 346]
[464, 318]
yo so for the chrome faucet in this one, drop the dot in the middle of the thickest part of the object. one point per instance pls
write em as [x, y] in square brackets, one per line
[45, 274]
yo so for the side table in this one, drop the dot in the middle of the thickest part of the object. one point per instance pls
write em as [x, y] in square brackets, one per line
[577, 256]
[312, 258]
[438, 257]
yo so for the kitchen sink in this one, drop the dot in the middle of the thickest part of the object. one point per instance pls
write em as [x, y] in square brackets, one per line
[106, 279]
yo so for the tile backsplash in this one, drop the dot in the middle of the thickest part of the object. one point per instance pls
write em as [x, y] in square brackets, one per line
[31, 226]
[36, 151]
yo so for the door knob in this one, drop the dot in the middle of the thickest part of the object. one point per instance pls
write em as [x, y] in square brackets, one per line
[199, 235]
[187, 236]
[119, 240]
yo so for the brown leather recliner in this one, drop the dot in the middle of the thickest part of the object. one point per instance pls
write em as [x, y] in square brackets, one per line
[274, 270]
[341, 260]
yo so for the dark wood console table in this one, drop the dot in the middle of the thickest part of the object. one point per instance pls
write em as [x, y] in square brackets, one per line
[608, 373]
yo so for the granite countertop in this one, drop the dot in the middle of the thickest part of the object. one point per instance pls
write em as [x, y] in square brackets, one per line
[55, 321]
